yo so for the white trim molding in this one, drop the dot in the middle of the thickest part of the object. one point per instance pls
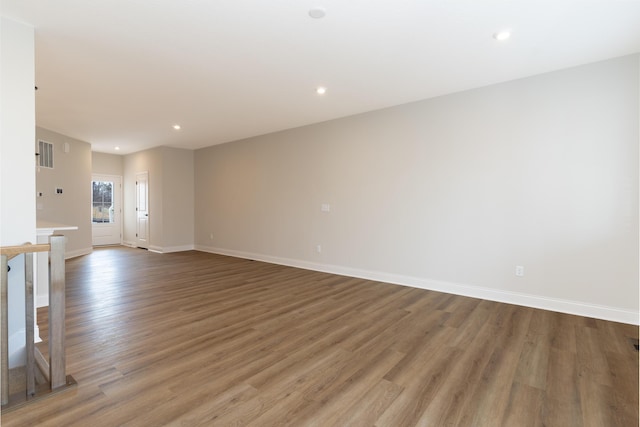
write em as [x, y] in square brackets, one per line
[534, 301]
[182, 248]
[17, 353]
[42, 301]
[169, 249]
[161, 249]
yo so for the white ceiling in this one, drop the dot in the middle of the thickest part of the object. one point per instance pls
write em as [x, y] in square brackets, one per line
[122, 72]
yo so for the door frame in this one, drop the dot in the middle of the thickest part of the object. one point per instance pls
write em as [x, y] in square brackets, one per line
[117, 195]
[146, 243]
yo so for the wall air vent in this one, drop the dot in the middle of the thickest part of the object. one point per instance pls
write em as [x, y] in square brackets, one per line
[45, 151]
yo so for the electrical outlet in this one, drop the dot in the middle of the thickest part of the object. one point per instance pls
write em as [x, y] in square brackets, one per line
[519, 270]
[211, 236]
[319, 249]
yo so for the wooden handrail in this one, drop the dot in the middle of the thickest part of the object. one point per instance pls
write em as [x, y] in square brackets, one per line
[12, 251]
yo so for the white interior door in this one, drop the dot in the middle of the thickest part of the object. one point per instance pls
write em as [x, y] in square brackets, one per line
[142, 210]
[106, 210]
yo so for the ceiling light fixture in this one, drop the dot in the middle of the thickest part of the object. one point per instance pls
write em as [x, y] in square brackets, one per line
[502, 35]
[176, 127]
[117, 148]
[321, 90]
[317, 12]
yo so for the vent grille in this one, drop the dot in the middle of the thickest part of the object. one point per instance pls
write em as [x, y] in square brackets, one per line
[45, 149]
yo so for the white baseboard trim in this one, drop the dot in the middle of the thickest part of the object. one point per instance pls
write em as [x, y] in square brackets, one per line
[42, 301]
[77, 253]
[36, 334]
[169, 249]
[535, 301]
[129, 244]
[182, 248]
[17, 352]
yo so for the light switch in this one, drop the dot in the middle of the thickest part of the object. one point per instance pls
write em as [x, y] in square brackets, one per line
[325, 207]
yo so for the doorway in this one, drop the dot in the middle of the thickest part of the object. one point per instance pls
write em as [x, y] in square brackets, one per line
[142, 210]
[106, 210]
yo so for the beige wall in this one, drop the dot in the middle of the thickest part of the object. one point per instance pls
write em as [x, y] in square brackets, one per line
[178, 199]
[107, 164]
[72, 173]
[171, 203]
[451, 193]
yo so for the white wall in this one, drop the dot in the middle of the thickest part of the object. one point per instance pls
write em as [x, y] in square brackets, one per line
[17, 164]
[451, 193]
[71, 173]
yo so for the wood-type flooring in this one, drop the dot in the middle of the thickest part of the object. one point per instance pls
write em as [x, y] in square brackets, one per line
[195, 339]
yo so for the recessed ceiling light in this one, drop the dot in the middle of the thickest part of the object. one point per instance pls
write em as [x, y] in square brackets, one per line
[501, 35]
[116, 148]
[321, 90]
[176, 127]
[317, 12]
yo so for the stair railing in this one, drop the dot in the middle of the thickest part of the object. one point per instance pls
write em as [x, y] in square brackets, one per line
[52, 369]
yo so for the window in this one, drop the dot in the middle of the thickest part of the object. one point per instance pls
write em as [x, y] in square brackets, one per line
[45, 159]
[102, 202]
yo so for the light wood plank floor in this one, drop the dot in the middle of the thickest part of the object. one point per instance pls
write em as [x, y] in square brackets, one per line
[191, 339]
